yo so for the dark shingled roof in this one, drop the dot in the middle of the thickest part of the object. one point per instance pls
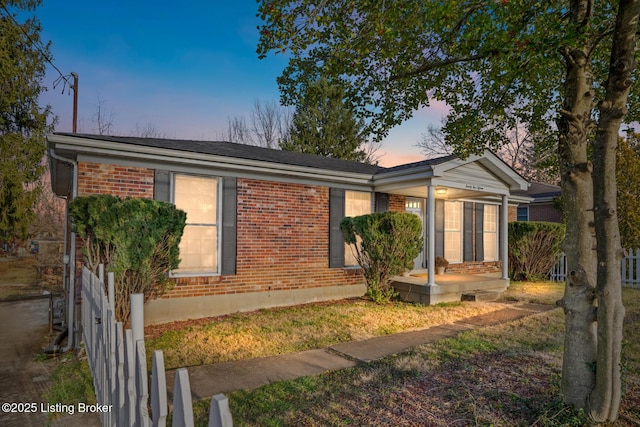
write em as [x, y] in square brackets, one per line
[240, 151]
[428, 162]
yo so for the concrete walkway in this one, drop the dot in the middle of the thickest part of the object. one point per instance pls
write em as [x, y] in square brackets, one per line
[209, 380]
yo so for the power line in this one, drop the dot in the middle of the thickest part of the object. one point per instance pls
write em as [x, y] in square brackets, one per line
[40, 49]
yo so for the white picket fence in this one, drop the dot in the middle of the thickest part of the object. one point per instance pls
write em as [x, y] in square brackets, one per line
[629, 269]
[118, 363]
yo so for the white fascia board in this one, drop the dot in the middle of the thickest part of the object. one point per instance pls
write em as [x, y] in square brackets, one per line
[404, 177]
[107, 149]
[471, 187]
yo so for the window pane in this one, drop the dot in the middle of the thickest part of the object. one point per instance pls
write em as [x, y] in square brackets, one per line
[199, 249]
[523, 213]
[355, 203]
[490, 235]
[197, 197]
[453, 231]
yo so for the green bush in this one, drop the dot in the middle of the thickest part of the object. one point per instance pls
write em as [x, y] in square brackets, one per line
[385, 245]
[136, 239]
[533, 248]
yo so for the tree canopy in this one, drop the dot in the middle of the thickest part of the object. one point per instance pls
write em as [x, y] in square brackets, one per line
[323, 124]
[495, 63]
[563, 70]
[23, 121]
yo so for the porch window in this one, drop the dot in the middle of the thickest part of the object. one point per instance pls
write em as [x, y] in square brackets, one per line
[490, 232]
[355, 203]
[199, 246]
[453, 231]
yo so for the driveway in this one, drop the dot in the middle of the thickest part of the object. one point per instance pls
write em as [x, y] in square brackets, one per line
[23, 328]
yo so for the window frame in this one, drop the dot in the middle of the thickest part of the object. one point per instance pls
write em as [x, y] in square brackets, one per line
[347, 247]
[218, 224]
[459, 230]
[518, 215]
[494, 232]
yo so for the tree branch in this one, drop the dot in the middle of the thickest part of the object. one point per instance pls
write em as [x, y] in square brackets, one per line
[437, 64]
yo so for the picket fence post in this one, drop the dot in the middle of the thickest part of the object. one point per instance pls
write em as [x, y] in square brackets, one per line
[118, 364]
[158, 390]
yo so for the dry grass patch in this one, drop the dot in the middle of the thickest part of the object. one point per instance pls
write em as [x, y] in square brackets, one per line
[292, 329]
[18, 277]
[535, 292]
[503, 375]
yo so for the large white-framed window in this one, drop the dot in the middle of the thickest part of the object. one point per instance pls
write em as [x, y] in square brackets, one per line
[453, 231]
[355, 203]
[199, 197]
[490, 232]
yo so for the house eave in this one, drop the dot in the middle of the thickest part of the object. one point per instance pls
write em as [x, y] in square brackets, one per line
[84, 148]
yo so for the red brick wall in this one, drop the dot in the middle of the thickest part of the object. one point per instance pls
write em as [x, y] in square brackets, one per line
[476, 267]
[282, 241]
[544, 212]
[513, 214]
[397, 203]
[123, 181]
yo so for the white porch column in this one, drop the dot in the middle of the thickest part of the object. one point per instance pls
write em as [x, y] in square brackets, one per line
[504, 236]
[431, 235]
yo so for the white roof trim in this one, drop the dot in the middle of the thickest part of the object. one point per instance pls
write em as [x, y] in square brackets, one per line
[488, 160]
[93, 147]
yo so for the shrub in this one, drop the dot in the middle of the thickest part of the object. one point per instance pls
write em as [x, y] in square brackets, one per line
[385, 245]
[136, 239]
[533, 248]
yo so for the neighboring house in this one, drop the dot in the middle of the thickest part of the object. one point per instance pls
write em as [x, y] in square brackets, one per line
[543, 205]
[263, 225]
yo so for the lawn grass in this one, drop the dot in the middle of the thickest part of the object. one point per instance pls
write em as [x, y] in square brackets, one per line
[18, 277]
[70, 383]
[292, 329]
[503, 375]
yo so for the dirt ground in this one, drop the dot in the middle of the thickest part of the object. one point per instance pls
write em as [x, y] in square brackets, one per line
[24, 326]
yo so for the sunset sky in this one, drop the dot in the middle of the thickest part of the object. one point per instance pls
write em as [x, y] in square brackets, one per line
[182, 68]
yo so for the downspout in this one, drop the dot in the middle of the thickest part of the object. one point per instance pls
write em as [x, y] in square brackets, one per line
[72, 254]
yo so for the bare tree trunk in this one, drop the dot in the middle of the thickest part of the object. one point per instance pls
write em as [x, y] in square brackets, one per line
[604, 401]
[578, 376]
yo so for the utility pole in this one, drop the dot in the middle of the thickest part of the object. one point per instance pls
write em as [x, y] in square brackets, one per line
[75, 101]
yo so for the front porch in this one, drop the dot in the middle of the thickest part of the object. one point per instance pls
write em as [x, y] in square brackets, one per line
[449, 287]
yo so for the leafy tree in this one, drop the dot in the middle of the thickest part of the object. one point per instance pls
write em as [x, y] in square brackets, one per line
[385, 245]
[324, 125]
[23, 122]
[628, 179]
[136, 239]
[497, 63]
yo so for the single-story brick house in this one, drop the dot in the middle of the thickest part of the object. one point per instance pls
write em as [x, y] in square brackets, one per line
[543, 205]
[263, 225]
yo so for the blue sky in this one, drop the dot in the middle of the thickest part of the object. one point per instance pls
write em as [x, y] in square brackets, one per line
[183, 68]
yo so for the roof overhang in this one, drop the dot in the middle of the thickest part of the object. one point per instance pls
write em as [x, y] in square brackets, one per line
[88, 149]
[489, 175]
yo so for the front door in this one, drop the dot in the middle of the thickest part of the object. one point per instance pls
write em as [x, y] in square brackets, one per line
[417, 207]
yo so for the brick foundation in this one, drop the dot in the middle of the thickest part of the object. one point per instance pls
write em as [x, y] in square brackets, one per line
[475, 267]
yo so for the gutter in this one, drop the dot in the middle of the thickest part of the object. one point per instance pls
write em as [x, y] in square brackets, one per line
[71, 295]
[91, 147]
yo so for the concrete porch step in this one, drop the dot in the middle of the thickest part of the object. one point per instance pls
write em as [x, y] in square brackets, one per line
[480, 296]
